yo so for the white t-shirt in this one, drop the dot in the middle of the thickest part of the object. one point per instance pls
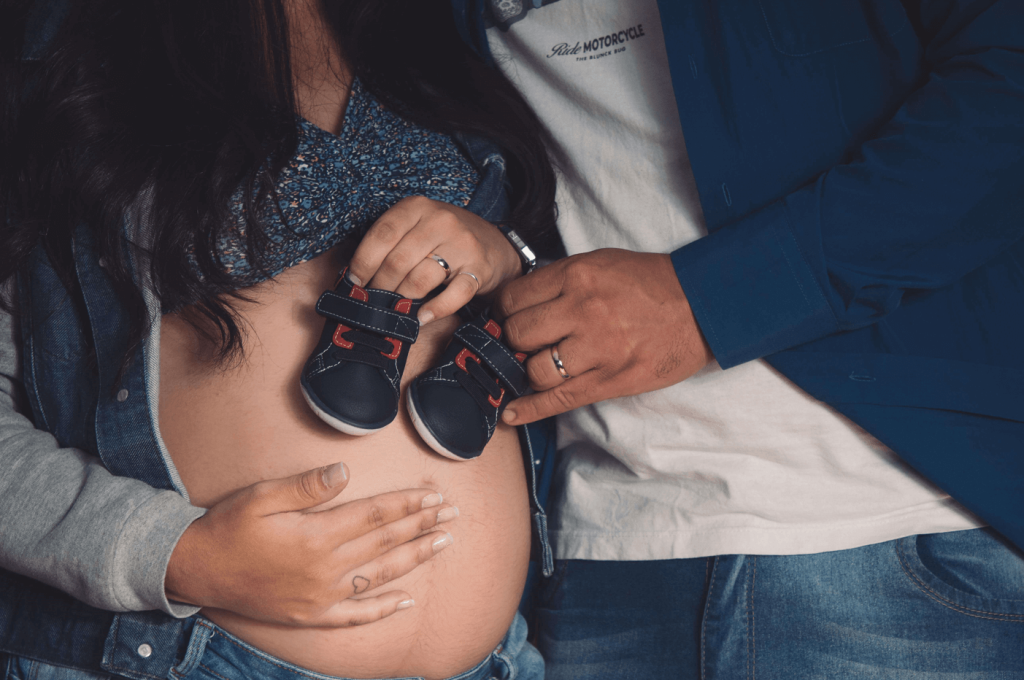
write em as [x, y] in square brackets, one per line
[738, 461]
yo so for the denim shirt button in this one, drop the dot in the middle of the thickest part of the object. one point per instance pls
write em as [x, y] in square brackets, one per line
[145, 651]
[122, 395]
[102, 263]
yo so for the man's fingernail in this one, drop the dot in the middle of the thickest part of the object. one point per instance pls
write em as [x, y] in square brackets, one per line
[442, 543]
[352, 278]
[426, 317]
[509, 416]
[335, 474]
[405, 604]
[447, 515]
[431, 501]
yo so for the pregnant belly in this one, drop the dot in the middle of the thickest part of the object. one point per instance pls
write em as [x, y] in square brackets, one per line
[230, 424]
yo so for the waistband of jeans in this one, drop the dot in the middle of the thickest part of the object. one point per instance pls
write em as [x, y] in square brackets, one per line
[209, 637]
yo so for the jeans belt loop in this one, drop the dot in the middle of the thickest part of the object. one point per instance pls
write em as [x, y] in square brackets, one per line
[201, 634]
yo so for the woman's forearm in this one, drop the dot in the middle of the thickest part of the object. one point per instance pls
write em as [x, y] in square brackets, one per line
[68, 522]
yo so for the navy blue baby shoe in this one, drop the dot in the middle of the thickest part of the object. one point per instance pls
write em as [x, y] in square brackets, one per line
[353, 377]
[456, 406]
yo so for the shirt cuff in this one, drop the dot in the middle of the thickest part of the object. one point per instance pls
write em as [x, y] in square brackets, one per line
[144, 550]
[752, 290]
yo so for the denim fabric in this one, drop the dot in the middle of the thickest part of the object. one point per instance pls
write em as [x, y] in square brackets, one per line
[945, 606]
[20, 668]
[215, 654]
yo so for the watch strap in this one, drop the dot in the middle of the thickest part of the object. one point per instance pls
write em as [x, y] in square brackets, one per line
[526, 254]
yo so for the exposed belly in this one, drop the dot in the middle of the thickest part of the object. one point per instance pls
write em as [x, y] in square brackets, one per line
[228, 426]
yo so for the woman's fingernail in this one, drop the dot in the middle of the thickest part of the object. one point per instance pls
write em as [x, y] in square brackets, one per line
[509, 416]
[405, 604]
[426, 317]
[431, 500]
[334, 475]
[352, 278]
[447, 515]
[442, 543]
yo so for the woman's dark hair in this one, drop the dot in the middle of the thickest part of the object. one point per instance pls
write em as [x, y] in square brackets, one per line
[190, 99]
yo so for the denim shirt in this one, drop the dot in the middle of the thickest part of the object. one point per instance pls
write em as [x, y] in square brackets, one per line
[81, 402]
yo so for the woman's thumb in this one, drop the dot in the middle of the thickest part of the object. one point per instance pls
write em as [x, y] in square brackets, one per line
[302, 491]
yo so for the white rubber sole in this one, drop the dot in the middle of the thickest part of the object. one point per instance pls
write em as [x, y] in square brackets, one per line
[338, 425]
[425, 433]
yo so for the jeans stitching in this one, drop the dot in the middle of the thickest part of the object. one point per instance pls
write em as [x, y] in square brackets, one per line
[935, 595]
[212, 672]
[129, 672]
[190, 661]
[704, 623]
[270, 660]
[475, 669]
[753, 623]
[747, 595]
[511, 667]
[272, 663]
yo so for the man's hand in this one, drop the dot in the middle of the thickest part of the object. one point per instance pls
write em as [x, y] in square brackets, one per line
[621, 324]
[269, 553]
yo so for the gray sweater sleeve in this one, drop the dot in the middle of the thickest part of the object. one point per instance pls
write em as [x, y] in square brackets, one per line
[68, 522]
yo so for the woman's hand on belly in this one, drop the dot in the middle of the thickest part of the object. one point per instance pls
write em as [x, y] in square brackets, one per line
[272, 553]
[230, 425]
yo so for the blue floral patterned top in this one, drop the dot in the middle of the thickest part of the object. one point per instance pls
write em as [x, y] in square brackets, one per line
[336, 186]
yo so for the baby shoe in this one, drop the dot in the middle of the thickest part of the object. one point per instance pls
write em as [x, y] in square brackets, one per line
[352, 379]
[456, 406]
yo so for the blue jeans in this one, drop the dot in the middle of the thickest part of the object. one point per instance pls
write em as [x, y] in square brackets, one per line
[215, 654]
[947, 606]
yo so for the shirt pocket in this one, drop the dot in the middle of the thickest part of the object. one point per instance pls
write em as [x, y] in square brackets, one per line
[800, 28]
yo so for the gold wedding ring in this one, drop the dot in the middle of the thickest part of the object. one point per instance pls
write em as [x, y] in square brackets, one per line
[558, 363]
[444, 265]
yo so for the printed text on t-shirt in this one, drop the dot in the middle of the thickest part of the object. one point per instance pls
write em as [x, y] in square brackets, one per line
[564, 49]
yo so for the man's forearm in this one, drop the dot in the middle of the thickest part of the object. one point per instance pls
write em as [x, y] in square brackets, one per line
[934, 195]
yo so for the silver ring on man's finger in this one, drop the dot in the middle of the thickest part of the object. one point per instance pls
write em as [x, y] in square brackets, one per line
[444, 265]
[474, 277]
[558, 363]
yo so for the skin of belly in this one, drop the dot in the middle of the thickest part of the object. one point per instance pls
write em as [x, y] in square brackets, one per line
[230, 424]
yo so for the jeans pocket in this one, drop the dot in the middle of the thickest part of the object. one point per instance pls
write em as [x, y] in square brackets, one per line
[800, 28]
[973, 572]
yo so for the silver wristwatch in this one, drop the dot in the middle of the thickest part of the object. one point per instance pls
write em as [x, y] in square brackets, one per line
[525, 252]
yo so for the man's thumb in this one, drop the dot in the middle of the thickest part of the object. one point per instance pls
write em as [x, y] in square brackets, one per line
[302, 491]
